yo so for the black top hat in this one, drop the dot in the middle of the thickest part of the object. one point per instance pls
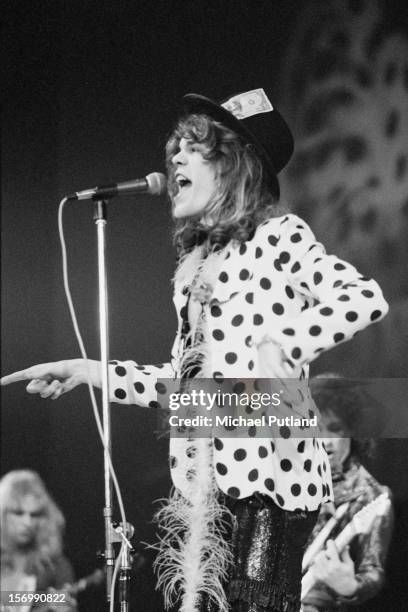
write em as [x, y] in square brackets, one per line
[251, 115]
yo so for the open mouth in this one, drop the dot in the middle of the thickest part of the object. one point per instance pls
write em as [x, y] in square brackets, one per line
[183, 182]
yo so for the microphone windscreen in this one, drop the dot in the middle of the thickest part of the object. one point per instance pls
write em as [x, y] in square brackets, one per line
[157, 183]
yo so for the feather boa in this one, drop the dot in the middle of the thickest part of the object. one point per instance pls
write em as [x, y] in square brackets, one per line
[193, 555]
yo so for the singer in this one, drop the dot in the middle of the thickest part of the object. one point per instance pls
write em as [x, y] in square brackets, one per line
[256, 297]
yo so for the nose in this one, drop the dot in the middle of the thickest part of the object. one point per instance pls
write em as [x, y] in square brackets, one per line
[26, 523]
[179, 159]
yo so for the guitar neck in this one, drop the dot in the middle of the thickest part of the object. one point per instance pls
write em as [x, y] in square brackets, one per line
[361, 523]
[341, 542]
[322, 536]
[345, 537]
[93, 580]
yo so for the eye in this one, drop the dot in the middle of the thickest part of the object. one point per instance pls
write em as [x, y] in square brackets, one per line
[196, 147]
[335, 428]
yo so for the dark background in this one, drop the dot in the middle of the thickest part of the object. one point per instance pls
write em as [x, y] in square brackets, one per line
[91, 91]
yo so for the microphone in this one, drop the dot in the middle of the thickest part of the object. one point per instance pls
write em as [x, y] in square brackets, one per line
[153, 184]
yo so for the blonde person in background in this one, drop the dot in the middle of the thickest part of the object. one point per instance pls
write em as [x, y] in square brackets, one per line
[32, 527]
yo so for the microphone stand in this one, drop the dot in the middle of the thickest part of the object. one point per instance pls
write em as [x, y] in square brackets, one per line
[100, 218]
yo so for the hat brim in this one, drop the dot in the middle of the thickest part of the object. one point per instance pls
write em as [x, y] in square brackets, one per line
[197, 104]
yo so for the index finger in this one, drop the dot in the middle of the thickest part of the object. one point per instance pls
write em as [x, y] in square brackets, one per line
[38, 371]
[15, 377]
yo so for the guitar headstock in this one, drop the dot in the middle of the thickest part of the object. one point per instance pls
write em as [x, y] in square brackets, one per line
[364, 519]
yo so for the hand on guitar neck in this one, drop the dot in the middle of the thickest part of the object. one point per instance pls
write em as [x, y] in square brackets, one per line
[336, 570]
[71, 592]
[333, 566]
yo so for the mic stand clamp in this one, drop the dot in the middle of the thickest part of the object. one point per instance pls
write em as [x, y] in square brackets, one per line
[122, 533]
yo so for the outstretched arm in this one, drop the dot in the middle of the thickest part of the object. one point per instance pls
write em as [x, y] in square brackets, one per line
[130, 383]
[55, 378]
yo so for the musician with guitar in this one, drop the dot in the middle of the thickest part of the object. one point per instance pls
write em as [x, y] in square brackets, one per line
[344, 564]
[32, 559]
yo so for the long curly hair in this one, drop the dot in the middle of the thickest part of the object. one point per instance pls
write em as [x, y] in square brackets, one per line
[242, 198]
[47, 544]
[349, 403]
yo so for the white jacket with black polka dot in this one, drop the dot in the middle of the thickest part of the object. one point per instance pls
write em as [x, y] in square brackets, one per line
[280, 288]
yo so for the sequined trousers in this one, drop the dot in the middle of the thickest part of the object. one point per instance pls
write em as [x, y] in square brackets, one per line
[268, 545]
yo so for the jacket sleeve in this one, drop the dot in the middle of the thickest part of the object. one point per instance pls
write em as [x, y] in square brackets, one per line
[344, 301]
[143, 385]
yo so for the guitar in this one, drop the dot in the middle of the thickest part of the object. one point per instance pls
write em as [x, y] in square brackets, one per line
[92, 580]
[28, 587]
[360, 524]
[322, 536]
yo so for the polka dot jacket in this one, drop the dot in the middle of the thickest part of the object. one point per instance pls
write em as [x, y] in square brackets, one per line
[280, 290]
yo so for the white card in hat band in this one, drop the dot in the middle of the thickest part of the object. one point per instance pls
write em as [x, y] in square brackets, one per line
[249, 103]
